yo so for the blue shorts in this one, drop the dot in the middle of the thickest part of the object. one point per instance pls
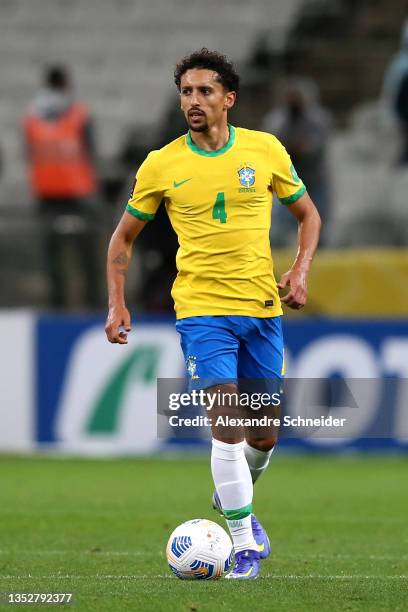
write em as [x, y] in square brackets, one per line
[220, 349]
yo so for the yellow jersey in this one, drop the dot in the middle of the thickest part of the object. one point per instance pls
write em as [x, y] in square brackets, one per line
[219, 204]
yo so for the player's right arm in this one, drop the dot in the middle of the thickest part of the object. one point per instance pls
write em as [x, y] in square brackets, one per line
[144, 201]
[119, 254]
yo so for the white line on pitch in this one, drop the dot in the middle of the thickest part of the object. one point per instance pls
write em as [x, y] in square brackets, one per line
[140, 553]
[167, 576]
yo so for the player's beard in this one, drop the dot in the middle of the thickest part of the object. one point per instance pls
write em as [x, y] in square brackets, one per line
[201, 127]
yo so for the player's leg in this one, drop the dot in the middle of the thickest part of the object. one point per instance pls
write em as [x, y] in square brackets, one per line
[233, 484]
[210, 350]
[261, 366]
[230, 470]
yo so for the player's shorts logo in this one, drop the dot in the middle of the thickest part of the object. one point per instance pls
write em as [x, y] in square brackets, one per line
[246, 176]
[192, 366]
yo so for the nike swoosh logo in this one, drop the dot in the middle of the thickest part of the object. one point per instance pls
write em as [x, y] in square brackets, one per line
[181, 182]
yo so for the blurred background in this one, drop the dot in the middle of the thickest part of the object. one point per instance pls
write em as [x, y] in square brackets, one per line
[86, 92]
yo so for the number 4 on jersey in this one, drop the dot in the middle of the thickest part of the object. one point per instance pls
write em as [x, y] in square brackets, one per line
[219, 211]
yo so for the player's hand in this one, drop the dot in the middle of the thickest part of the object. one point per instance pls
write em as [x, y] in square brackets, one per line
[296, 280]
[118, 325]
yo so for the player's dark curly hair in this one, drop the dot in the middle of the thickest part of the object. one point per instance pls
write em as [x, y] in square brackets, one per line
[209, 60]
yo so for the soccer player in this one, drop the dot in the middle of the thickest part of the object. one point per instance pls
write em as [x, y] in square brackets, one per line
[217, 183]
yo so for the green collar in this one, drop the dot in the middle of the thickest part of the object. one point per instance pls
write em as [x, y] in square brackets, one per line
[224, 149]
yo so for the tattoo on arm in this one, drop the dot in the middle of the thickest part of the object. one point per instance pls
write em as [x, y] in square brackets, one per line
[121, 260]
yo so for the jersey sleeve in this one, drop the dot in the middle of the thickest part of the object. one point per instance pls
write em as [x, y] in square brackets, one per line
[285, 181]
[147, 192]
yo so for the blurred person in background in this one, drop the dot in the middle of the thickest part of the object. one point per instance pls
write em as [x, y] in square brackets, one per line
[395, 93]
[303, 127]
[60, 155]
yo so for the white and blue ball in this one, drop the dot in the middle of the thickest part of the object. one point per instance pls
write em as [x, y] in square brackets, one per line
[199, 549]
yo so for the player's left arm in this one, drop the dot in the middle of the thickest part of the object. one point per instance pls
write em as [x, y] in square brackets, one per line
[309, 224]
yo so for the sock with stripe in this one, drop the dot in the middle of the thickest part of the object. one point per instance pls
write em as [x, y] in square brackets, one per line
[257, 460]
[233, 483]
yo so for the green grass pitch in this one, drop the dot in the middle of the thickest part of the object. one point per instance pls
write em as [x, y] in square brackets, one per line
[338, 526]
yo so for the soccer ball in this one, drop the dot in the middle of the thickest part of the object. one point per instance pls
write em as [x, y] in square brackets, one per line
[199, 549]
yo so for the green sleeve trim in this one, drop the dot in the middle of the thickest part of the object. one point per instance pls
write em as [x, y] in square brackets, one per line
[293, 197]
[139, 214]
[191, 144]
[240, 513]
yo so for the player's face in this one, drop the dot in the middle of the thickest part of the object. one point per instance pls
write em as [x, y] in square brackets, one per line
[204, 100]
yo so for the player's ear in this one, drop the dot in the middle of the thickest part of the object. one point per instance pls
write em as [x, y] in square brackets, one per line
[230, 98]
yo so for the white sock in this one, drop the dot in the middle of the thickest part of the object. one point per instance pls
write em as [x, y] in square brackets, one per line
[233, 483]
[257, 460]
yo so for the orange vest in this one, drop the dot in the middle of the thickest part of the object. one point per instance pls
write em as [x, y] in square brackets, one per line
[59, 165]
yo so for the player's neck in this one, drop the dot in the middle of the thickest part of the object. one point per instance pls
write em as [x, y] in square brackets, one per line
[213, 139]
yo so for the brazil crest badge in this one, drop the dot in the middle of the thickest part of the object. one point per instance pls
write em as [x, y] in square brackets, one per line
[246, 176]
